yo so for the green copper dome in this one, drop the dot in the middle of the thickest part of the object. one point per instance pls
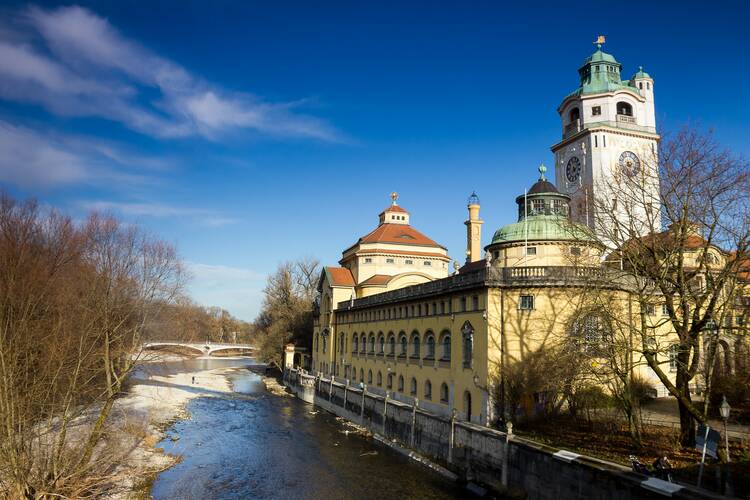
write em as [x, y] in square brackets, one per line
[600, 56]
[600, 73]
[543, 215]
[641, 74]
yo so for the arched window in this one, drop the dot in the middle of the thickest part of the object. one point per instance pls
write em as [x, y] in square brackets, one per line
[369, 376]
[381, 344]
[623, 108]
[467, 405]
[372, 343]
[380, 379]
[444, 393]
[355, 343]
[389, 383]
[391, 344]
[341, 343]
[325, 342]
[427, 389]
[415, 344]
[401, 383]
[403, 345]
[446, 354]
[413, 386]
[361, 375]
[430, 347]
[363, 344]
[316, 342]
[574, 115]
[467, 332]
[590, 333]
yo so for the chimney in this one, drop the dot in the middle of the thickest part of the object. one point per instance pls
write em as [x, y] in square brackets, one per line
[473, 230]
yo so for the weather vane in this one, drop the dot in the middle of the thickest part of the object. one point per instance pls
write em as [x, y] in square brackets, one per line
[394, 198]
[599, 41]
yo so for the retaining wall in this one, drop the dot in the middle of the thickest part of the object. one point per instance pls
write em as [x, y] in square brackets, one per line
[478, 453]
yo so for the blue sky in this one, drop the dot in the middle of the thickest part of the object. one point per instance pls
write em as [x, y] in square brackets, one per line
[249, 134]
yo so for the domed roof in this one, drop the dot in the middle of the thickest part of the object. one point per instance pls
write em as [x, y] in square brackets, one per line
[600, 56]
[641, 74]
[543, 228]
[543, 215]
[543, 186]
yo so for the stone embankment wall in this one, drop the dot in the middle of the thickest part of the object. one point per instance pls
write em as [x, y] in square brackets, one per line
[483, 455]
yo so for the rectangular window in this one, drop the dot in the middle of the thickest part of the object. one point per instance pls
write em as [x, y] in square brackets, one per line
[575, 251]
[650, 310]
[427, 263]
[596, 141]
[673, 357]
[596, 110]
[463, 304]
[408, 262]
[664, 310]
[368, 260]
[739, 321]
[530, 250]
[526, 302]
[442, 307]
[389, 261]
[604, 140]
[475, 303]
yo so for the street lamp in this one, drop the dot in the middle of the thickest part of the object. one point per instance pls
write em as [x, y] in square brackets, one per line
[725, 409]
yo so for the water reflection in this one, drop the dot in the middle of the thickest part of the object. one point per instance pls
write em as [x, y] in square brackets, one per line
[264, 446]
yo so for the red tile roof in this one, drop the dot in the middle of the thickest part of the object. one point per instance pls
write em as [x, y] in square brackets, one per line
[473, 266]
[339, 276]
[377, 279]
[399, 234]
[372, 251]
[395, 208]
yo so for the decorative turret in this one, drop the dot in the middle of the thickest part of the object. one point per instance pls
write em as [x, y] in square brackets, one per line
[394, 214]
[543, 215]
[473, 230]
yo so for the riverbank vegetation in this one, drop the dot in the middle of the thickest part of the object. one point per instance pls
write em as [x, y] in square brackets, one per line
[77, 300]
[287, 311]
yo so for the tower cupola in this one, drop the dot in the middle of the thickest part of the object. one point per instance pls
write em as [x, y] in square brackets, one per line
[394, 214]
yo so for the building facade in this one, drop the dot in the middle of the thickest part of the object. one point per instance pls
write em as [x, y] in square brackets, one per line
[394, 317]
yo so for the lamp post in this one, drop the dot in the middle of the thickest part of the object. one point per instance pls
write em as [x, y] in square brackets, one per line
[725, 409]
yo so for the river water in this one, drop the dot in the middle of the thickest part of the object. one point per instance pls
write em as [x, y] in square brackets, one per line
[253, 444]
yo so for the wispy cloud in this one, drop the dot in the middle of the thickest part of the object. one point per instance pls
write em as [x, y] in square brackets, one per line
[237, 289]
[75, 63]
[201, 216]
[31, 158]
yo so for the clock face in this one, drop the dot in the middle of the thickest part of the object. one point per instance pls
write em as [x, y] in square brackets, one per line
[629, 163]
[573, 169]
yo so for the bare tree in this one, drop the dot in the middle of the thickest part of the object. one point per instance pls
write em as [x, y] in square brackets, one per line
[73, 302]
[287, 308]
[678, 251]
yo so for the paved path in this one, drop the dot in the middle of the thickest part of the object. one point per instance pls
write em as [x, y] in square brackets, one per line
[664, 411]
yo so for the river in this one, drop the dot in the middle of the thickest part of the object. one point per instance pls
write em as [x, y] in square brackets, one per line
[253, 444]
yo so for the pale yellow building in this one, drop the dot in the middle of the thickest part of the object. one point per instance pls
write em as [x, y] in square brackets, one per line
[394, 317]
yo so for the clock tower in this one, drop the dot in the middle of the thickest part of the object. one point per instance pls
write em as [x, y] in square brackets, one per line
[608, 135]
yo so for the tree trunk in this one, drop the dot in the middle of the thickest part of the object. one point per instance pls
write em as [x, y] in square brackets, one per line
[687, 421]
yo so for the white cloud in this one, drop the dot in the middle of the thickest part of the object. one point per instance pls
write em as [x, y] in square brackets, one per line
[238, 290]
[85, 67]
[204, 217]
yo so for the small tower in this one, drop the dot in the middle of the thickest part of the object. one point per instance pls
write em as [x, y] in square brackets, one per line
[473, 230]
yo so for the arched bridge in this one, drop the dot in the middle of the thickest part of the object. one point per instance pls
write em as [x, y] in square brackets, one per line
[204, 348]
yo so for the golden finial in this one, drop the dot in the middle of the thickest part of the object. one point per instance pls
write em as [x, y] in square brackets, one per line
[600, 41]
[394, 198]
